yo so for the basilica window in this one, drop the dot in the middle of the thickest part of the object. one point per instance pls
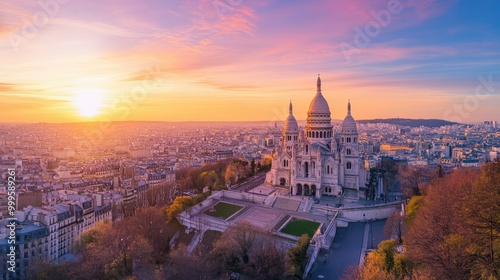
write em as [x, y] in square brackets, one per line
[307, 149]
[349, 165]
[348, 151]
[348, 140]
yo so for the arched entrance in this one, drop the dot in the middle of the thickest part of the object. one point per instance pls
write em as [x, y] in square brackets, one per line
[313, 190]
[306, 189]
[282, 182]
[299, 189]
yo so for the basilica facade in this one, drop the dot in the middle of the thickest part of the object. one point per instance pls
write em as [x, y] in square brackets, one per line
[316, 160]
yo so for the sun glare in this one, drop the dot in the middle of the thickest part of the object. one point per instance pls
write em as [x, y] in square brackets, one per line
[89, 102]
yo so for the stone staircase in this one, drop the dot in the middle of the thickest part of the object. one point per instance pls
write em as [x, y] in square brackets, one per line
[196, 239]
[306, 205]
[270, 200]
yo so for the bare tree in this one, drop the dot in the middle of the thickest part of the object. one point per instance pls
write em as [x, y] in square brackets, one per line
[395, 227]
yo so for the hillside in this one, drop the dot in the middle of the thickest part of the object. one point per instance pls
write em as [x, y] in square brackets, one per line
[410, 122]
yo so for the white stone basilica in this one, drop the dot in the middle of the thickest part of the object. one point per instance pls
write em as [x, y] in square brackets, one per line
[317, 161]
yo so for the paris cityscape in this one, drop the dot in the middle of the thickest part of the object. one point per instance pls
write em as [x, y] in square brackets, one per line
[249, 140]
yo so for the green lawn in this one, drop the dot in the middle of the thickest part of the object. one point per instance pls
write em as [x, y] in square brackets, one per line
[298, 227]
[223, 210]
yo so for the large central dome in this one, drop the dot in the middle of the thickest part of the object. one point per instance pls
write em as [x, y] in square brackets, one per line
[319, 126]
[318, 104]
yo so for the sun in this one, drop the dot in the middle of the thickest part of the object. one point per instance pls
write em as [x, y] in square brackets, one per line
[89, 102]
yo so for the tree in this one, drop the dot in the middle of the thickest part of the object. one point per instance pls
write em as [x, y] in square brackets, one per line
[384, 263]
[267, 260]
[151, 224]
[388, 169]
[109, 251]
[210, 178]
[395, 227]
[180, 204]
[237, 171]
[436, 238]
[183, 265]
[252, 167]
[482, 219]
[372, 185]
[41, 269]
[296, 258]
[233, 248]
[157, 196]
[413, 178]
[412, 208]
[266, 163]
[246, 249]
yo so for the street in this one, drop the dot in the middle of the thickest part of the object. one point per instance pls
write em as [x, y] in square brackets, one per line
[346, 249]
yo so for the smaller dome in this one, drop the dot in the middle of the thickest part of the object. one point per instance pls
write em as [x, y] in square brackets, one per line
[349, 125]
[291, 124]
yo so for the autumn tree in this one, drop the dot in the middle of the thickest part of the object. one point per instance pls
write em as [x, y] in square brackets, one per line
[413, 178]
[180, 204]
[386, 262]
[267, 260]
[395, 227]
[236, 171]
[437, 239]
[482, 220]
[211, 180]
[151, 224]
[109, 251]
[192, 179]
[248, 250]
[296, 258]
[233, 248]
[412, 208]
[41, 269]
[184, 265]
[266, 164]
[157, 196]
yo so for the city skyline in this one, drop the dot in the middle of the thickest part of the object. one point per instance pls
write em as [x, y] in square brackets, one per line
[68, 61]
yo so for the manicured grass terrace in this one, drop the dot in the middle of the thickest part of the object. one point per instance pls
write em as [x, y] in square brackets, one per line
[223, 210]
[297, 227]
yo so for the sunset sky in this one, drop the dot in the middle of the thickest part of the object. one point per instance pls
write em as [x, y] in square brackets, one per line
[225, 60]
